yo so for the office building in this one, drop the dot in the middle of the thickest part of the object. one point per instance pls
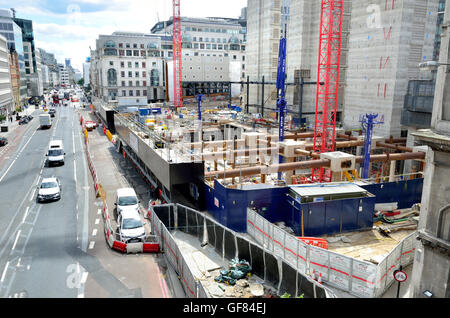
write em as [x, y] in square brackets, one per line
[6, 92]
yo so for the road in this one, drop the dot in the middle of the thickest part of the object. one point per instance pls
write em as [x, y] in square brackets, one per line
[58, 249]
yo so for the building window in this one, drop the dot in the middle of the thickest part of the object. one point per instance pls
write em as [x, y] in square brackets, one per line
[129, 64]
[130, 83]
[137, 74]
[134, 46]
[121, 45]
[138, 93]
[130, 93]
[137, 83]
[122, 64]
[130, 74]
[122, 74]
[202, 46]
[195, 45]
[112, 77]
[136, 64]
[135, 53]
[111, 63]
[144, 92]
[144, 83]
[121, 52]
[124, 93]
[123, 83]
[129, 53]
[144, 74]
[128, 45]
[144, 65]
[154, 77]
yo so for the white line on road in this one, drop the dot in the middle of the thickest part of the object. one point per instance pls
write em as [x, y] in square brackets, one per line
[17, 238]
[91, 245]
[99, 211]
[32, 194]
[94, 232]
[25, 215]
[4, 272]
[97, 221]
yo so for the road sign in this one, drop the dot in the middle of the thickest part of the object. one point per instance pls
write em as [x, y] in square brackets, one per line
[400, 276]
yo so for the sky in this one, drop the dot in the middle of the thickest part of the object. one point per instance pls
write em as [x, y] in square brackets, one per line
[69, 28]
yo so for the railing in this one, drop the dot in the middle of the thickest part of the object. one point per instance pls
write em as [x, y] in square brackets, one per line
[360, 278]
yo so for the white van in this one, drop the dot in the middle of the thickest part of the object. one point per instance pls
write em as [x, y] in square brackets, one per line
[130, 227]
[126, 200]
[56, 153]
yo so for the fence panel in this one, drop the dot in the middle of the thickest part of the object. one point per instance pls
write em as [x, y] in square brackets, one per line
[340, 271]
[381, 277]
[302, 263]
[291, 250]
[278, 241]
[268, 235]
[251, 223]
[407, 256]
[319, 261]
[363, 278]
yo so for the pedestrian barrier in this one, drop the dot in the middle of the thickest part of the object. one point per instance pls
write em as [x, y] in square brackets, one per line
[150, 243]
[360, 278]
[228, 244]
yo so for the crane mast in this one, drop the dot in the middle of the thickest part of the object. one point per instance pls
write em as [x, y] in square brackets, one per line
[327, 82]
[177, 57]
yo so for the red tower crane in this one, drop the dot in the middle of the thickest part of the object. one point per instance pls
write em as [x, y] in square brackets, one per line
[327, 82]
[177, 57]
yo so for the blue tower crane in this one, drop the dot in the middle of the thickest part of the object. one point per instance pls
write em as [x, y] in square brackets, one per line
[281, 92]
[367, 122]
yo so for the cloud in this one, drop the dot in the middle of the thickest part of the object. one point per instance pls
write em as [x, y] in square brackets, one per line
[68, 28]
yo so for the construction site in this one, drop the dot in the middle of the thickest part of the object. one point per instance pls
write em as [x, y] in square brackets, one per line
[314, 210]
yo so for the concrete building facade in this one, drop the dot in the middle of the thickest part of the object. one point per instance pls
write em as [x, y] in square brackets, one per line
[6, 92]
[387, 41]
[128, 67]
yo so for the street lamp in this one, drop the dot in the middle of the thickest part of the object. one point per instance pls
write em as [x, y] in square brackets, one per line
[430, 65]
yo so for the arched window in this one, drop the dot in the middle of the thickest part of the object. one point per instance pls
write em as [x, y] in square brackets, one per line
[154, 77]
[110, 44]
[112, 77]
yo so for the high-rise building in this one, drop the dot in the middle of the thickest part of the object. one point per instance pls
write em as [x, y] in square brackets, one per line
[385, 49]
[6, 92]
[86, 75]
[13, 33]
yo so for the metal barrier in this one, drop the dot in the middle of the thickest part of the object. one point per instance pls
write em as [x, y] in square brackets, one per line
[228, 244]
[150, 243]
[360, 278]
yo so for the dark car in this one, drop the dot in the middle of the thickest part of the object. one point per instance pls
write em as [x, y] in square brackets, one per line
[52, 112]
[29, 117]
[23, 121]
[3, 141]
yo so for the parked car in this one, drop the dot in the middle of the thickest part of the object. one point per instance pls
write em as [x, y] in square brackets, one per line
[23, 121]
[130, 227]
[126, 199]
[30, 117]
[90, 125]
[50, 190]
[3, 141]
[52, 112]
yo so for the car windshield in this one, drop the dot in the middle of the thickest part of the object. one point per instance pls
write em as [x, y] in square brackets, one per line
[55, 152]
[124, 201]
[128, 224]
[49, 185]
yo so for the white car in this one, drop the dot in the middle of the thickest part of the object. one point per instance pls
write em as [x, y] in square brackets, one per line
[131, 229]
[50, 190]
[126, 200]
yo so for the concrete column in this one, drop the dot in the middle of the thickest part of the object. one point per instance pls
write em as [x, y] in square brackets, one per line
[392, 171]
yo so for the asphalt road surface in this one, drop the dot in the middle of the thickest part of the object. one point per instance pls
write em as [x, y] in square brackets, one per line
[58, 249]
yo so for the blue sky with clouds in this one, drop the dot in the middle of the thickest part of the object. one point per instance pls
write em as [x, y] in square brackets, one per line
[68, 28]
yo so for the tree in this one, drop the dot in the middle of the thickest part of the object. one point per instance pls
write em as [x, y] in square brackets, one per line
[81, 82]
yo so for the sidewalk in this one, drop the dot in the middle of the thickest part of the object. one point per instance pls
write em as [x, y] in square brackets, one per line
[12, 126]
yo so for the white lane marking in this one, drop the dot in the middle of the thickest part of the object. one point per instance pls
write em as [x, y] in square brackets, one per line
[99, 211]
[4, 272]
[94, 232]
[84, 277]
[17, 238]
[91, 245]
[12, 163]
[97, 221]
[25, 215]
